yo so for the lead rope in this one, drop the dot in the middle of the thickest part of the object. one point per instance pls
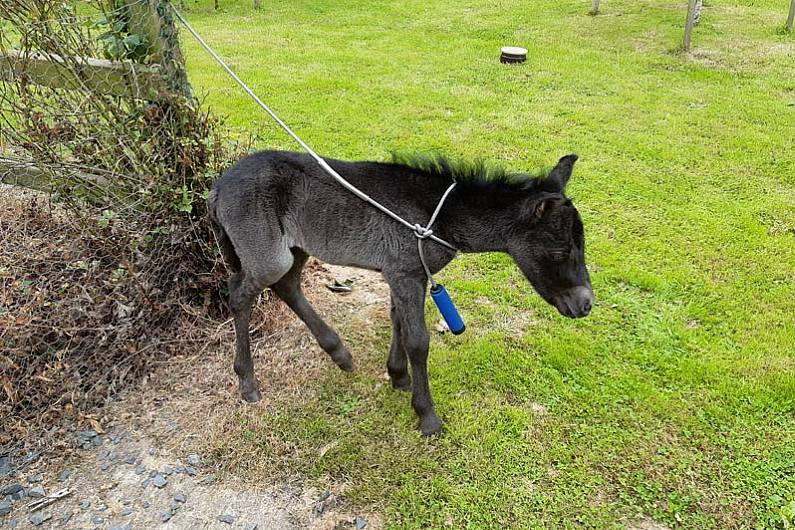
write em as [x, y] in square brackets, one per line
[424, 232]
[438, 293]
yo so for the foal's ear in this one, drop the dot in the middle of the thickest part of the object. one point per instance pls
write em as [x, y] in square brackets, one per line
[561, 174]
[534, 208]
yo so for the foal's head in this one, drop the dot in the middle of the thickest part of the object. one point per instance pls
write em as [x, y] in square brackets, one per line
[548, 244]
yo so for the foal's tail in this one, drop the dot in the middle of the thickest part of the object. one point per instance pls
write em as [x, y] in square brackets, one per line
[227, 249]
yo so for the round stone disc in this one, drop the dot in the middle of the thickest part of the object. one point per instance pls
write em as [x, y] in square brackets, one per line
[513, 50]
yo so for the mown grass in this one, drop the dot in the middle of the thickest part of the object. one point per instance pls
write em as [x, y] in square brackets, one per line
[675, 400]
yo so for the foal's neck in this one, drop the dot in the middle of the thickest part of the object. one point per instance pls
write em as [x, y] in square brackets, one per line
[472, 229]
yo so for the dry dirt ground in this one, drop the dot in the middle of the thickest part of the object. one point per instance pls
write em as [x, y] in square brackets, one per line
[146, 470]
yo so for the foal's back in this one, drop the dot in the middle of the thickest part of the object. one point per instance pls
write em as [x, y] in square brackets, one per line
[273, 201]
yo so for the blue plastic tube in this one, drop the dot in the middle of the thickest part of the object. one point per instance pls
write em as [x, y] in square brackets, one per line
[447, 309]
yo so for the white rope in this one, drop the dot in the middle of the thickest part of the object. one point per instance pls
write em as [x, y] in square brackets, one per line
[419, 232]
[425, 232]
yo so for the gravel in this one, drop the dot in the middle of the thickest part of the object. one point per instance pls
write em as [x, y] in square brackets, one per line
[194, 460]
[64, 475]
[86, 435]
[37, 492]
[225, 518]
[39, 518]
[35, 479]
[360, 522]
[180, 497]
[159, 481]
[5, 507]
[325, 501]
[11, 489]
[18, 495]
[86, 439]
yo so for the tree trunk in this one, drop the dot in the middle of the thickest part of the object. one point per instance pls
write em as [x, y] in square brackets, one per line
[791, 17]
[595, 7]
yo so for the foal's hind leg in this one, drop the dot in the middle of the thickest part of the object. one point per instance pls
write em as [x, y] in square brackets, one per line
[288, 288]
[244, 287]
[242, 293]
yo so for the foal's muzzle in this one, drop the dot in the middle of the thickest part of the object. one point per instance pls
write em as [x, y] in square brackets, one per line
[575, 302]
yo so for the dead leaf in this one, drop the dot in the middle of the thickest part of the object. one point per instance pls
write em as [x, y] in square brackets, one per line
[9, 390]
[342, 287]
[96, 426]
[328, 447]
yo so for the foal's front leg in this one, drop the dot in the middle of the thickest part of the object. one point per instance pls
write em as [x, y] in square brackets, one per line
[408, 295]
[397, 365]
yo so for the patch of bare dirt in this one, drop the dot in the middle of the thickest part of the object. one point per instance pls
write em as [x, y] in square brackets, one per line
[513, 323]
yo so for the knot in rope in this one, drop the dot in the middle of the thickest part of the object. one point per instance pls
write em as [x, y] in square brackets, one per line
[422, 232]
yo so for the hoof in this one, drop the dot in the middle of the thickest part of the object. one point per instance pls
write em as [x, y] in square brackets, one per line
[252, 396]
[401, 383]
[342, 358]
[346, 365]
[431, 426]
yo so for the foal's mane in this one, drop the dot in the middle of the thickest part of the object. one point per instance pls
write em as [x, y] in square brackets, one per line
[476, 176]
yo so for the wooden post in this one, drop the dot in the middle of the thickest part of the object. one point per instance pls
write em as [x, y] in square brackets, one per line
[595, 7]
[791, 17]
[141, 22]
[257, 4]
[155, 20]
[691, 11]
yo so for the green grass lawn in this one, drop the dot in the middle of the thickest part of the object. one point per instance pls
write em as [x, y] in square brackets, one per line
[675, 400]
